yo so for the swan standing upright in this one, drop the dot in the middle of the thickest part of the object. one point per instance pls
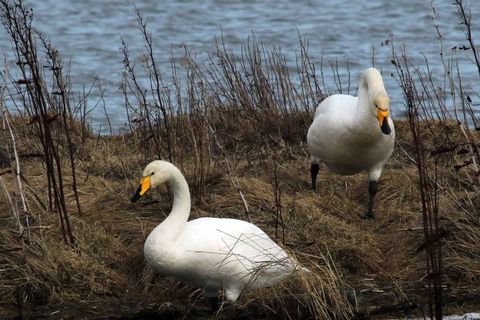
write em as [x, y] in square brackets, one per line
[209, 253]
[353, 134]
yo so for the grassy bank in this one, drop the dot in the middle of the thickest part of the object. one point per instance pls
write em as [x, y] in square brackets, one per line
[379, 263]
[71, 243]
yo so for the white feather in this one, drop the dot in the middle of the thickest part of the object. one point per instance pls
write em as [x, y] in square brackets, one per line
[345, 133]
[211, 253]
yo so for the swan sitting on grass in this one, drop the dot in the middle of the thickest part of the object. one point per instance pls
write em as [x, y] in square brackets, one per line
[209, 253]
[352, 134]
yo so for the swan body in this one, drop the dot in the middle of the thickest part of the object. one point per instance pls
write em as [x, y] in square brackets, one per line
[209, 253]
[353, 134]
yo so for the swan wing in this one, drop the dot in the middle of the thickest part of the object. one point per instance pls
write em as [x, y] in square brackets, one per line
[234, 250]
[337, 105]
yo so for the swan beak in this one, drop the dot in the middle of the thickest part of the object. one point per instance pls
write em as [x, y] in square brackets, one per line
[145, 184]
[383, 121]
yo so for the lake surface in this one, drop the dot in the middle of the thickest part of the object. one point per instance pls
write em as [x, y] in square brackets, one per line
[88, 32]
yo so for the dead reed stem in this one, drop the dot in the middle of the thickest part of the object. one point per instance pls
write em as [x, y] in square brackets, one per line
[235, 124]
[17, 20]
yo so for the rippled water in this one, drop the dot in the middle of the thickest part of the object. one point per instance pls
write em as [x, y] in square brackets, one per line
[88, 32]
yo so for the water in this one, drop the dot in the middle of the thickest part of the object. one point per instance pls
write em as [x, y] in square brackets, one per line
[88, 32]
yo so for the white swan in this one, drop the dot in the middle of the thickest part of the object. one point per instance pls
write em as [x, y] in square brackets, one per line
[352, 134]
[209, 253]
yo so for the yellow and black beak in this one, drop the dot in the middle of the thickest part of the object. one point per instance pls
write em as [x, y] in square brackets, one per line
[383, 121]
[145, 185]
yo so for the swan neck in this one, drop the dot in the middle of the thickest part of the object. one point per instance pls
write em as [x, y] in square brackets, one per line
[174, 224]
[371, 84]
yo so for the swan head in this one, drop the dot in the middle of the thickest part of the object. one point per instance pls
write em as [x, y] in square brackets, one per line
[381, 103]
[155, 173]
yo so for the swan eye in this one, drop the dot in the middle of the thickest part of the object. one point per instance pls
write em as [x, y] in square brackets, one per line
[152, 173]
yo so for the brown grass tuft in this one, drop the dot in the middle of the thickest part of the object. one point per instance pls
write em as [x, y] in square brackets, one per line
[235, 127]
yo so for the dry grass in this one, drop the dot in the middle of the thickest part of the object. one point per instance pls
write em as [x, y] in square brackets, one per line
[356, 264]
[236, 127]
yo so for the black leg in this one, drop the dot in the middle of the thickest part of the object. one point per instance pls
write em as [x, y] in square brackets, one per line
[372, 191]
[217, 307]
[214, 303]
[314, 171]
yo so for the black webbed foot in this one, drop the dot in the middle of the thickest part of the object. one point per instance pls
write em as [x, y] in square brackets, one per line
[314, 172]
